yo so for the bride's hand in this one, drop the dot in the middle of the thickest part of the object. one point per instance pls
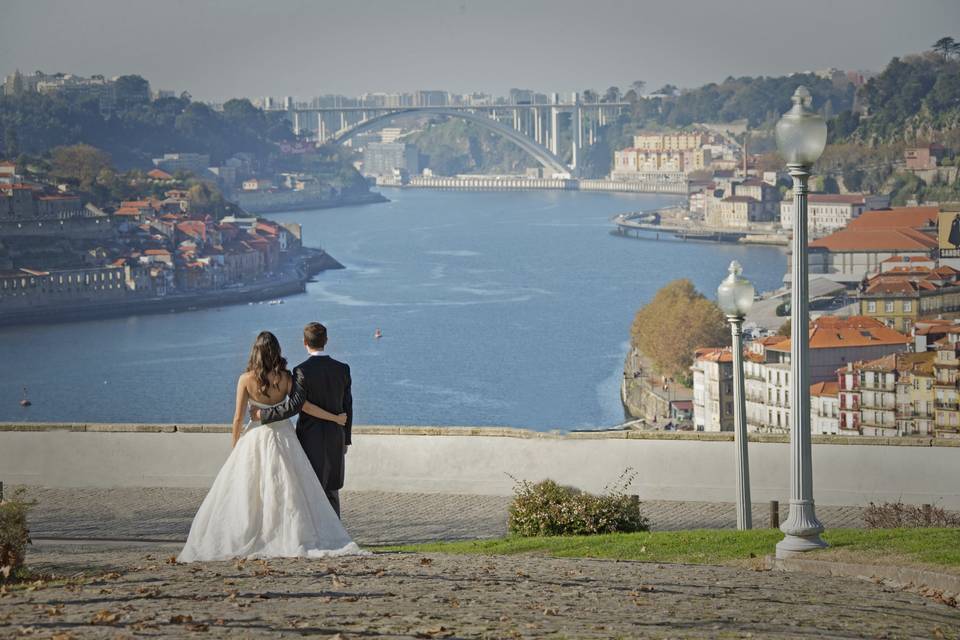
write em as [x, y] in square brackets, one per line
[341, 419]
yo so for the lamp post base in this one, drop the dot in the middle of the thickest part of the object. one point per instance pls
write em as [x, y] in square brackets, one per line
[792, 545]
[801, 530]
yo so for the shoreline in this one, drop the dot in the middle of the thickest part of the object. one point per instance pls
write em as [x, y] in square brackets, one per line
[372, 197]
[314, 261]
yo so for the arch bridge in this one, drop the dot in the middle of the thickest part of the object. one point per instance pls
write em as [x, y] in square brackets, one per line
[535, 128]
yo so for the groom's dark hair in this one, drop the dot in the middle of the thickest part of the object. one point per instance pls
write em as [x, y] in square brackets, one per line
[315, 335]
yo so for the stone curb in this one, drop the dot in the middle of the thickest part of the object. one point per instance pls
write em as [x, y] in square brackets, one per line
[916, 579]
[497, 432]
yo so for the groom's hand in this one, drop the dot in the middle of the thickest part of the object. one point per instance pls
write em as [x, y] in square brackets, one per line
[255, 414]
[345, 448]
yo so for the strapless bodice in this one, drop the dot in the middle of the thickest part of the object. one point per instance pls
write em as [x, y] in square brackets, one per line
[260, 405]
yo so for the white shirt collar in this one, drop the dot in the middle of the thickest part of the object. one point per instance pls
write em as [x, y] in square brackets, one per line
[316, 353]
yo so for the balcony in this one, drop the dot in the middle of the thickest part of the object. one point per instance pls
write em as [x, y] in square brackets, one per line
[946, 406]
[878, 387]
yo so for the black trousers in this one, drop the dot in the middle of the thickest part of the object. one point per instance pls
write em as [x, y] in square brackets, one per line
[334, 497]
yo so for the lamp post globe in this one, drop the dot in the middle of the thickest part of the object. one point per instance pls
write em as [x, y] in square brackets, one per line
[735, 293]
[801, 132]
[801, 137]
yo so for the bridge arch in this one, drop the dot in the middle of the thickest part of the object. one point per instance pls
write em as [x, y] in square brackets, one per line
[540, 153]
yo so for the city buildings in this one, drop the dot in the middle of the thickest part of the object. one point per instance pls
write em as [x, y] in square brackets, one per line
[851, 254]
[829, 212]
[922, 158]
[713, 390]
[383, 158]
[834, 343]
[907, 289]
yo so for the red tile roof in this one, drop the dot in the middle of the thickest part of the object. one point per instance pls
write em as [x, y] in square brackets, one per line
[159, 174]
[875, 239]
[832, 332]
[825, 389]
[914, 217]
[714, 354]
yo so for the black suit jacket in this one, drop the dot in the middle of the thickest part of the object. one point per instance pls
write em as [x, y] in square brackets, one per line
[326, 383]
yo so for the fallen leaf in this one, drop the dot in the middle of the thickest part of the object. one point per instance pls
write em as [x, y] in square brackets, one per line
[56, 610]
[171, 560]
[337, 582]
[550, 611]
[434, 632]
[198, 627]
[180, 619]
[426, 561]
[105, 616]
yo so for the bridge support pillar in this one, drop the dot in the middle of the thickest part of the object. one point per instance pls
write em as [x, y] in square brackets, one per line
[576, 142]
[554, 116]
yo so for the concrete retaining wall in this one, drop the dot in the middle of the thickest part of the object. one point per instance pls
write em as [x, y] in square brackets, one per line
[671, 466]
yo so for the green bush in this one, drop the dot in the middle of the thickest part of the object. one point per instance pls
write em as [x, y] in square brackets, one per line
[549, 509]
[14, 535]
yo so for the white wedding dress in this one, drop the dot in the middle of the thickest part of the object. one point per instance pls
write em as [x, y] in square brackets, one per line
[266, 502]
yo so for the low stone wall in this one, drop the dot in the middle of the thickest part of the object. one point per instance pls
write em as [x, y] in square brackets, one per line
[669, 466]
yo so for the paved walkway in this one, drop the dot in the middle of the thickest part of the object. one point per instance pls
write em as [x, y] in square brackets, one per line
[119, 593]
[373, 518]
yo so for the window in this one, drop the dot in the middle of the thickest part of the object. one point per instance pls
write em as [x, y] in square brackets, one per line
[888, 306]
[907, 306]
[871, 307]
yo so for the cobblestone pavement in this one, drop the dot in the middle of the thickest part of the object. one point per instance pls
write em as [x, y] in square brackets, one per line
[135, 592]
[373, 518]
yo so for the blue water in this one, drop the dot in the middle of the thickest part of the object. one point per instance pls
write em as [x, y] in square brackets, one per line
[496, 308]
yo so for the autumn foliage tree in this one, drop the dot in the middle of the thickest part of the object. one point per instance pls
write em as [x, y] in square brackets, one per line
[677, 321]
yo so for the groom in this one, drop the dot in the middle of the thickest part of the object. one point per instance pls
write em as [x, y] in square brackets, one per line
[326, 383]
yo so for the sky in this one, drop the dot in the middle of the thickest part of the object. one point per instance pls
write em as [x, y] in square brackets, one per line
[217, 49]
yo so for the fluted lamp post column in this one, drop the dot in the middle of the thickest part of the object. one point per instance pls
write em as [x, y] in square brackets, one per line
[801, 136]
[735, 297]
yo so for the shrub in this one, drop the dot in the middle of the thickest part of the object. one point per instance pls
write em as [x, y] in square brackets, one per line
[897, 515]
[14, 535]
[549, 509]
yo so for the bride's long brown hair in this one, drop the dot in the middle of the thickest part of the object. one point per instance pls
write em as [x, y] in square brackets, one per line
[265, 359]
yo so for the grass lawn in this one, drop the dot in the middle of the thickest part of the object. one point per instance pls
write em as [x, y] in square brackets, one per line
[934, 548]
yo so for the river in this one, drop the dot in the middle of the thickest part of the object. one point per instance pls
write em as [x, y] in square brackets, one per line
[497, 308]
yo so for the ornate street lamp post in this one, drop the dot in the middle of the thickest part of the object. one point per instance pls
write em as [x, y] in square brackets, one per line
[735, 297]
[801, 137]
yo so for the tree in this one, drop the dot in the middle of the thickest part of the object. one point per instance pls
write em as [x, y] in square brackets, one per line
[79, 164]
[612, 95]
[11, 142]
[667, 90]
[784, 329]
[945, 47]
[131, 90]
[676, 322]
[637, 86]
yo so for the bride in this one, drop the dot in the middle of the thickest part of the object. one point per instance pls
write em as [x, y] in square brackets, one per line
[266, 501]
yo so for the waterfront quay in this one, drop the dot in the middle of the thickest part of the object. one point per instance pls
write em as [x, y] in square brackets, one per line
[628, 225]
[522, 183]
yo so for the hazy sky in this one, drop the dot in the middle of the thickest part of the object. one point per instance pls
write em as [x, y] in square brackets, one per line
[221, 48]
